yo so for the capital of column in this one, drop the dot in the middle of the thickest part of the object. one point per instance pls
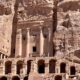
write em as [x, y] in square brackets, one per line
[41, 32]
[28, 29]
[19, 31]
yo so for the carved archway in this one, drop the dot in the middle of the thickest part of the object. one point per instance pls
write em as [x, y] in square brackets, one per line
[3, 78]
[52, 64]
[19, 67]
[15, 78]
[58, 77]
[29, 66]
[62, 68]
[8, 65]
[41, 66]
[72, 70]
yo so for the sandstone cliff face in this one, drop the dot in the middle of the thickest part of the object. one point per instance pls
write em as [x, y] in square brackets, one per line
[27, 10]
[68, 23]
[40, 10]
[6, 20]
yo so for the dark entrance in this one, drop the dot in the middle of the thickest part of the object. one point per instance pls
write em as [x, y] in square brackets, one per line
[63, 68]
[58, 77]
[72, 70]
[29, 66]
[3, 78]
[8, 67]
[19, 67]
[52, 66]
[15, 78]
[41, 66]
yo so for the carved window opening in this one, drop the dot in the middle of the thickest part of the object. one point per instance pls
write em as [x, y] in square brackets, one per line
[34, 49]
[58, 77]
[72, 70]
[15, 78]
[8, 65]
[41, 66]
[62, 68]
[19, 67]
[24, 38]
[3, 78]
[52, 64]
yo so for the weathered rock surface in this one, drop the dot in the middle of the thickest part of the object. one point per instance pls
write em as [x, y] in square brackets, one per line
[68, 17]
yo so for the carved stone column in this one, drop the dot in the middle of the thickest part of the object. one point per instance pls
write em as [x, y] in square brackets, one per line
[4, 56]
[14, 68]
[28, 43]
[41, 42]
[57, 70]
[25, 68]
[3, 68]
[35, 66]
[1, 56]
[67, 71]
[47, 66]
[49, 35]
[32, 67]
[19, 43]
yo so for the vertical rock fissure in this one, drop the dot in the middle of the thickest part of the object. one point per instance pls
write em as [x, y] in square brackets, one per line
[14, 29]
[53, 29]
